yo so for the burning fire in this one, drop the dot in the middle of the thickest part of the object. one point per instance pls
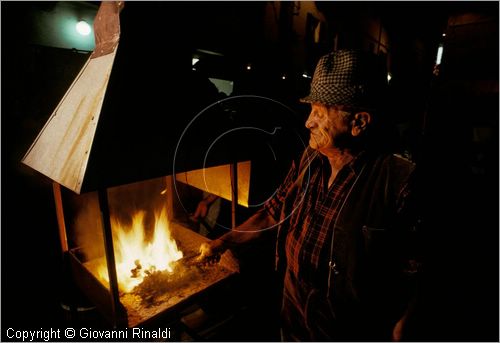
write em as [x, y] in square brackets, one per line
[136, 258]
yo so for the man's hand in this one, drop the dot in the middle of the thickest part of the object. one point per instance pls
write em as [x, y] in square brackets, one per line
[210, 252]
[249, 231]
[397, 332]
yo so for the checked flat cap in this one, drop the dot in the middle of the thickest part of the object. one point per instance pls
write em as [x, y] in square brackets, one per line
[349, 77]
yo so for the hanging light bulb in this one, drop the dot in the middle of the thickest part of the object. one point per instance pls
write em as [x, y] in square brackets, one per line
[83, 28]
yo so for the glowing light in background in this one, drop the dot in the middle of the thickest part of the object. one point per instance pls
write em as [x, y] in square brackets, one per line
[83, 28]
[57, 28]
[439, 54]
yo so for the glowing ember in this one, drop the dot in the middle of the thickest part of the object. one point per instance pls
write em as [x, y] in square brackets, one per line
[136, 258]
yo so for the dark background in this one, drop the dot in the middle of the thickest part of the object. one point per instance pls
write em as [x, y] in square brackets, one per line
[447, 122]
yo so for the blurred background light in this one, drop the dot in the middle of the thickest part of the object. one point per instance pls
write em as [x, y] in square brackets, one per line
[83, 28]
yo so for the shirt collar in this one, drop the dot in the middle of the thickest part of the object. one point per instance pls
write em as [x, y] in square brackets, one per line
[355, 165]
[358, 162]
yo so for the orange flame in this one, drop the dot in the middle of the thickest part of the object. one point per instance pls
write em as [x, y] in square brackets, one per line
[134, 256]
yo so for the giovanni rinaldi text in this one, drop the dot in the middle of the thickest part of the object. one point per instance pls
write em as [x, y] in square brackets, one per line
[86, 333]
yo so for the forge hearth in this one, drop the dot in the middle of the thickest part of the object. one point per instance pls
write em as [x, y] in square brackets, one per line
[161, 292]
[133, 251]
[113, 151]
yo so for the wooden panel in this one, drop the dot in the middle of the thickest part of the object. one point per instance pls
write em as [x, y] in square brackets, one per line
[217, 180]
[96, 291]
[61, 150]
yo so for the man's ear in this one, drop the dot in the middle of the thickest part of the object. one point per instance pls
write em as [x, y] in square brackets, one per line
[360, 122]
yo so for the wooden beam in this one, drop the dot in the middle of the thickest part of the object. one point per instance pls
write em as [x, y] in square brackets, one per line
[63, 237]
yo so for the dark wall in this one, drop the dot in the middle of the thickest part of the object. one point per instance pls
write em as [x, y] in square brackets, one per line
[34, 78]
[460, 155]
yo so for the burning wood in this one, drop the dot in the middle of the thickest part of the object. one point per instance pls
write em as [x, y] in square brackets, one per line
[159, 284]
[161, 290]
[156, 274]
[136, 257]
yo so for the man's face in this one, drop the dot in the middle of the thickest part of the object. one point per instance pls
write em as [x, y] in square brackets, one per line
[329, 127]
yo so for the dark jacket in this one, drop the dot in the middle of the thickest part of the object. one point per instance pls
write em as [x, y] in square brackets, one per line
[371, 279]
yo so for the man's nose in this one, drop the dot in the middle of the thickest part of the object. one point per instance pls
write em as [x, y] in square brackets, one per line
[310, 122]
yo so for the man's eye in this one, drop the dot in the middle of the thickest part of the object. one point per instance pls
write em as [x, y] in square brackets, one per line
[319, 114]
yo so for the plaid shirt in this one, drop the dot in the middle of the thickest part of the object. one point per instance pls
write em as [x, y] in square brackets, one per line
[315, 210]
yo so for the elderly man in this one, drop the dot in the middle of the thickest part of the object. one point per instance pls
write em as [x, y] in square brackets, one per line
[345, 215]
